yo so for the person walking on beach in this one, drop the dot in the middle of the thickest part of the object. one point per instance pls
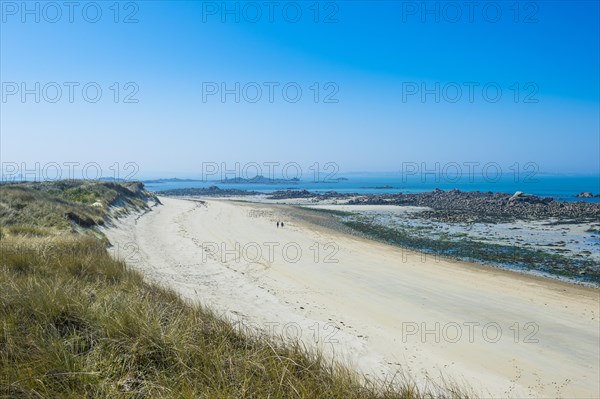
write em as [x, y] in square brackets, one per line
[277, 224]
[281, 224]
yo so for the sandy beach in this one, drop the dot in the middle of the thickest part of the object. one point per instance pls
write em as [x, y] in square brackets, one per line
[374, 307]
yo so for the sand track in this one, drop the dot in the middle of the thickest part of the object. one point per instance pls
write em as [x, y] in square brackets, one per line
[373, 306]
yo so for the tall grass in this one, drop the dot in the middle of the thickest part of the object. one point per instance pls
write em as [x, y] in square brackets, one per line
[67, 205]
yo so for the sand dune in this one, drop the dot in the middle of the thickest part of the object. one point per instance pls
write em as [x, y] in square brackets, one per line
[375, 307]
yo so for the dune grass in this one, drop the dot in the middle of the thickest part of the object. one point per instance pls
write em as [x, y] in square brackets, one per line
[66, 205]
[75, 322]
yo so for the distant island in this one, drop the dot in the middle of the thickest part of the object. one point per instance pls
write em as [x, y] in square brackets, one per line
[236, 180]
[332, 180]
[170, 180]
[386, 187]
[259, 179]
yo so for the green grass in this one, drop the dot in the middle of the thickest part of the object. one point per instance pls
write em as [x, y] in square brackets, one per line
[77, 323]
[334, 212]
[66, 205]
[490, 253]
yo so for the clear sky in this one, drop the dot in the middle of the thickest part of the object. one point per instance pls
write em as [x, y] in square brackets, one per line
[382, 82]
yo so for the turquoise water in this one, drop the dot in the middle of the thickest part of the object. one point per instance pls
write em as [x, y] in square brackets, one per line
[560, 187]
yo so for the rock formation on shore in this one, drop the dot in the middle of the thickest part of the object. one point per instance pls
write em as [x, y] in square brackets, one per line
[453, 205]
[497, 205]
[587, 194]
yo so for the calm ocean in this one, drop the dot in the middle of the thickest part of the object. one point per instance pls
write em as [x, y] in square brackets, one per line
[559, 187]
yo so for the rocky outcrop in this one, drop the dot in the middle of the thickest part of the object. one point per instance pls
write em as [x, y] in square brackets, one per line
[496, 205]
[587, 194]
[258, 180]
[453, 205]
[290, 194]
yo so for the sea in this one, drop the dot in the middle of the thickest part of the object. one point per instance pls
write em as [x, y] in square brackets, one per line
[564, 188]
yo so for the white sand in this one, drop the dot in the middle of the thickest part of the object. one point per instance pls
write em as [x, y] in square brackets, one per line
[376, 295]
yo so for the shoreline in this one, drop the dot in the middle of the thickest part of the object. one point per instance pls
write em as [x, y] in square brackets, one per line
[560, 187]
[556, 248]
[543, 276]
[536, 276]
[370, 295]
[451, 205]
[555, 282]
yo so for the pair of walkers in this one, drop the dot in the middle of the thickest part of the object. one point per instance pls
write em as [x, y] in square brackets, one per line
[279, 224]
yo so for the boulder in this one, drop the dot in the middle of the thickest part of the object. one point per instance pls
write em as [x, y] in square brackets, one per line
[585, 194]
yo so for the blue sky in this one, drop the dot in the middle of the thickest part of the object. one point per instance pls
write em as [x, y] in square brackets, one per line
[368, 56]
